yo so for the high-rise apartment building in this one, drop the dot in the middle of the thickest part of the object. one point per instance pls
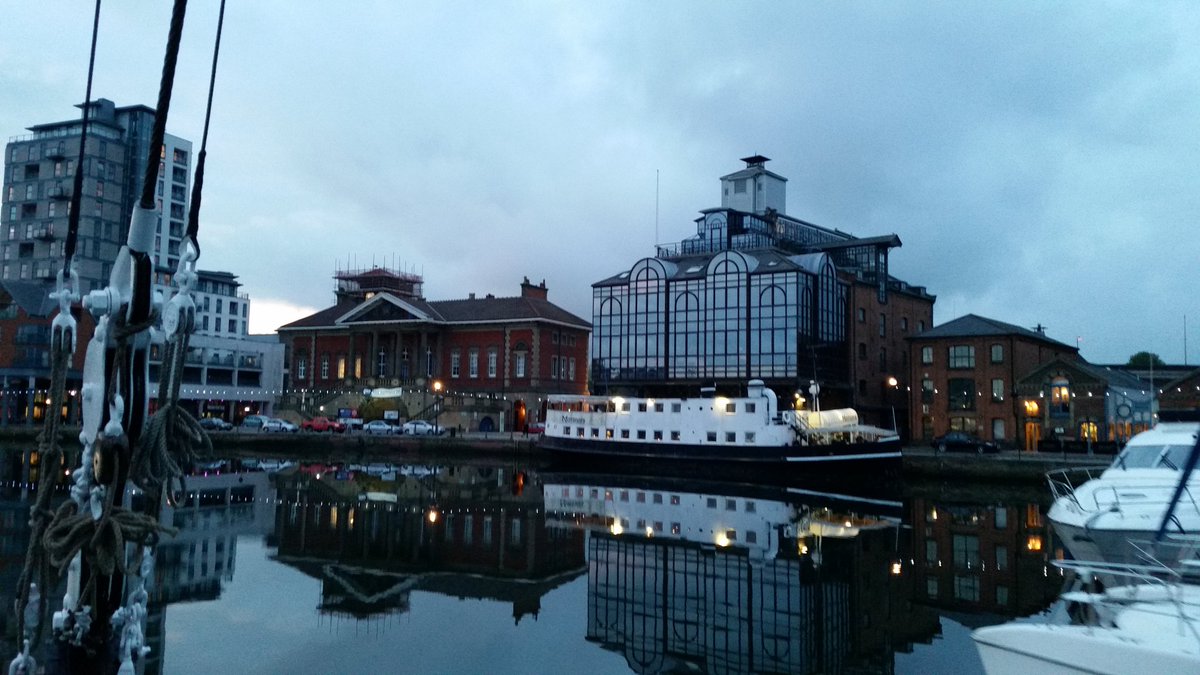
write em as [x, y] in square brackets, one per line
[38, 179]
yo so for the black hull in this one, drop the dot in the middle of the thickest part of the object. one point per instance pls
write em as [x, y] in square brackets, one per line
[832, 462]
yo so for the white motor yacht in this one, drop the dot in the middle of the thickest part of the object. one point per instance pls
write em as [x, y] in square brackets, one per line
[1097, 513]
[1149, 623]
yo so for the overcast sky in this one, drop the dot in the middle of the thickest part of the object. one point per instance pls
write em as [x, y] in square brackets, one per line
[1040, 161]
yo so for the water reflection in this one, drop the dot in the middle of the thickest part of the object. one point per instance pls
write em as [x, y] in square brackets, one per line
[681, 573]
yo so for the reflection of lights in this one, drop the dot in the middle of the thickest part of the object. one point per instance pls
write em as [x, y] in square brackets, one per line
[616, 528]
[803, 547]
[849, 524]
[722, 403]
[933, 513]
[1034, 543]
[896, 569]
[432, 516]
[649, 531]
[722, 540]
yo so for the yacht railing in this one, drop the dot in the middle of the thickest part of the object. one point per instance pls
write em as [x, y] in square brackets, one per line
[1063, 482]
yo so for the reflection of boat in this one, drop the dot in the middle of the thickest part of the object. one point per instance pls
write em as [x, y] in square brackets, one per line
[1148, 618]
[1097, 513]
[750, 429]
[708, 576]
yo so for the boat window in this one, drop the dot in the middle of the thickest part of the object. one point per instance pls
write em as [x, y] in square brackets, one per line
[712, 502]
[658, 435]
[676, 407]
[624, 433]
[641, 407]
[608, 433]
[730, 436]
[566, 431]
[641, 434]
[749, 407]
[674, 435]
[580, 432]
[595, 432]
[658, 407]
[712, 437]
[1139, 456]
[657, 497]
[1175, 456]
[625, 407]
[730, 407]
[624, 495]
[749, 436]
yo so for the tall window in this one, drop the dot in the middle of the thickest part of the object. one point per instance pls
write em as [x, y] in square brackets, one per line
[491, 366]
[997, 353]
[927, 355]
[962, 356]
[520, 364]
[571, 369]
[966, 551]
[726, 302]
[455, 363]
[647, 288]
[324, 366]
[961, 393]
[341, 366]
[997, 390]
[773, 325]
[301, 364]
[687, 328]
[381, 363]
[473, 363]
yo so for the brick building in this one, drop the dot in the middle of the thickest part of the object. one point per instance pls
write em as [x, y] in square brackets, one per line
[963, 375]
[1020, 388]
[383, 333]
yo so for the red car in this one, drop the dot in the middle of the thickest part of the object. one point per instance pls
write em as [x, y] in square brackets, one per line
[536, 428]
[322, 424]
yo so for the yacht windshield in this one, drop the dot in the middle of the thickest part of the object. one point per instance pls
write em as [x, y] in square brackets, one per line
[1153, 456]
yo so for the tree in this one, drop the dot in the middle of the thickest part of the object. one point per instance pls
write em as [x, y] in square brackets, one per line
[1145, 360]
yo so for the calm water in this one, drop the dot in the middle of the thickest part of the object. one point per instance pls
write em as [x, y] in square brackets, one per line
[495, 569]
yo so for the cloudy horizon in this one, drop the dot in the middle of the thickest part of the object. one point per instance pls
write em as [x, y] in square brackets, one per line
[1037, 161]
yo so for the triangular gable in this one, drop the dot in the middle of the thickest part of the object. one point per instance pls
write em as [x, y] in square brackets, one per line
[383, 308]
[1031, 383]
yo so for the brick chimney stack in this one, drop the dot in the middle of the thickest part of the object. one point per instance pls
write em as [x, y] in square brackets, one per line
[528, 290]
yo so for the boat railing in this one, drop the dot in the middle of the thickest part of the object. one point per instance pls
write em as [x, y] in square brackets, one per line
[1064, 482]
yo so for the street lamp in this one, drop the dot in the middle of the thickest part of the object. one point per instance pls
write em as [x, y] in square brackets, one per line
[437, 401]
[893, 384]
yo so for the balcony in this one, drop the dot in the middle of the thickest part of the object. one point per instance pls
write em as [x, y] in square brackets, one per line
[45, 233]
[58, 193]
[56, 151]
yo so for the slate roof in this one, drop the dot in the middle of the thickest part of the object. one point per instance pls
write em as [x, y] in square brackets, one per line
[973, 325]
[470, 310]
[696, 266]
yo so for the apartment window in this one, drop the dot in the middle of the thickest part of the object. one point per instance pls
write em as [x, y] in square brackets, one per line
[1000, 518]
[520, 364]
[455, 364]
[966, 551]
[180, 156]
[301, 364]
[341, 367]
[473, 363]
[380, 363]
[324, 366]
[997, 353]
[554, 367]
[904, 324]
[571, 369]
[927, 355]
[233, 325]
[962, 356]
[961, 393]
[1001, 558]
[997, 390]
[882, 325]
[491, 366]
[862, 350]
[966, 588]
[862, 315]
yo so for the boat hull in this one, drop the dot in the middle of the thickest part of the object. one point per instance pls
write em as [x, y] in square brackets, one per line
[1024, 648]
[848, 457]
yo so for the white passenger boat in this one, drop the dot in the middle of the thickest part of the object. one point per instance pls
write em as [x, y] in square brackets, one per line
[748, 430]
[1097, 513]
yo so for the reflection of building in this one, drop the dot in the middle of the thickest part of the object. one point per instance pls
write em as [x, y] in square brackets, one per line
[193, 564]
[982, 558]
[733, 580]
[756, 293]
[462, 531]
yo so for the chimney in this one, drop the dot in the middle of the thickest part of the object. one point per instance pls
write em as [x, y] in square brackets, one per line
[528, 290]
[470, 296]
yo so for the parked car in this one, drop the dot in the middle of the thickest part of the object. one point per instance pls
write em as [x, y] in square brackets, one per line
[536, 428]
[379, 427]
[417, 428]
[322, 424]
[276, 424]
[215, 424]
[254, 422]
[961, 441]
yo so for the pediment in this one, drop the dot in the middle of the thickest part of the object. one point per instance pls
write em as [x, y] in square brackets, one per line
[383, 309]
